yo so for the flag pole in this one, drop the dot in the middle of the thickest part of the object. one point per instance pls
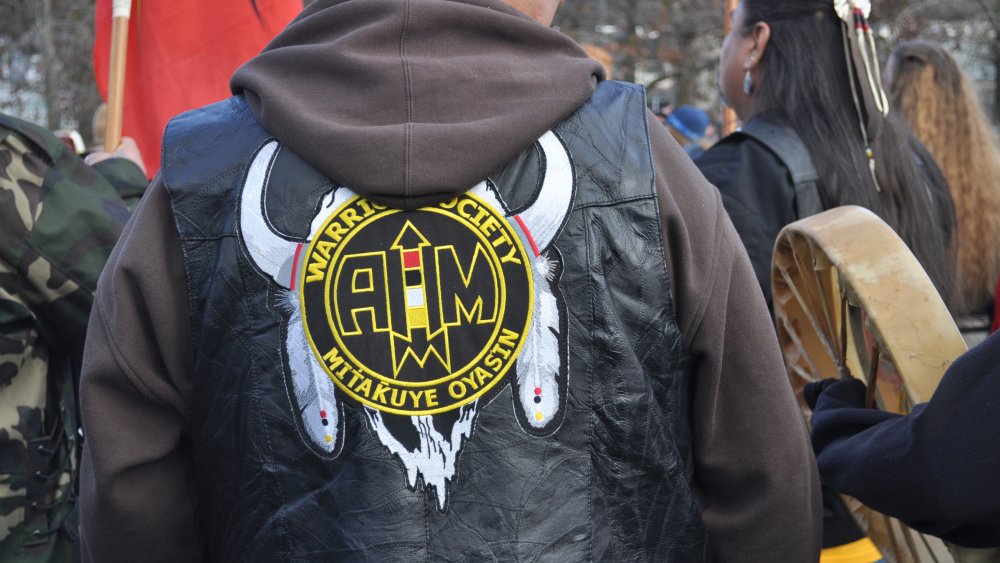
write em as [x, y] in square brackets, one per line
[121, 11]
[729, 119]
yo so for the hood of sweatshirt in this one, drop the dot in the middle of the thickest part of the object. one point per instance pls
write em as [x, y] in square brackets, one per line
[409, 102]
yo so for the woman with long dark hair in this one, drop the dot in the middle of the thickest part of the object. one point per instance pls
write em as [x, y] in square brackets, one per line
[817, 133]
[799, 76]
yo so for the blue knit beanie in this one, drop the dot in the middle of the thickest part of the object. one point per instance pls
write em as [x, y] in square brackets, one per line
[689, 121]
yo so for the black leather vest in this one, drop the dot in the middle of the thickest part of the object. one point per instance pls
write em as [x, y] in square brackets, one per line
[608, 479]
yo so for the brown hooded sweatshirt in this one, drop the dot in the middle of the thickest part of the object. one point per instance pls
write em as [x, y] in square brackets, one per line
[407, 102]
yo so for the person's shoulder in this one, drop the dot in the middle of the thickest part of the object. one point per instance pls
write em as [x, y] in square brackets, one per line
[742, 167]
[42, 163]
[735, 152]
[58, 191]
[723, 151]
[33, 138]
[677, 177]
[125, 177]
[691, 211]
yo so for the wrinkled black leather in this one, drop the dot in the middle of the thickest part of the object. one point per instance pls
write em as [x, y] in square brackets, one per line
[612, 484]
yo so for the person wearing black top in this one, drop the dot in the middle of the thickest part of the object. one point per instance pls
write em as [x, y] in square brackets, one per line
[783, 70]
[814, 139]
[936, 468]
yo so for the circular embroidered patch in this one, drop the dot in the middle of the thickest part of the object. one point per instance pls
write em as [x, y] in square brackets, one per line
[416, 312]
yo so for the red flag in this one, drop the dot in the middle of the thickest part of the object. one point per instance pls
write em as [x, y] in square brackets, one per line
[181, 54]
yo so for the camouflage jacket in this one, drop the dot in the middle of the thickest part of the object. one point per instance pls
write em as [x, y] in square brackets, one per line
[59, 220]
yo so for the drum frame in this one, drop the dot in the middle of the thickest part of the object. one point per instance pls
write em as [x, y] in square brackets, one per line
[850, 300]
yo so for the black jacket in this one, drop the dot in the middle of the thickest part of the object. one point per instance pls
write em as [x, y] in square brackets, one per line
[412, 107]
[757, 192]
[935, 469]
[406, 445]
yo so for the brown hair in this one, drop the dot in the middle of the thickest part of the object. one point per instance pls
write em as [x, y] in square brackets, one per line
[937, 99]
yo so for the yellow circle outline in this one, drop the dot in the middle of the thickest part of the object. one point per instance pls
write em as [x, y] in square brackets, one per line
[382, 213]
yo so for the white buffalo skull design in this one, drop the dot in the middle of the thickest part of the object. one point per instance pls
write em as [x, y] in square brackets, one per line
[539, 382]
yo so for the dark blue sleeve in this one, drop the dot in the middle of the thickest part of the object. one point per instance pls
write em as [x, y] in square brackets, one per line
[757, 193]
[938, 468]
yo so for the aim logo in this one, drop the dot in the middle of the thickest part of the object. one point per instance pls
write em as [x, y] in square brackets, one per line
[419, 319]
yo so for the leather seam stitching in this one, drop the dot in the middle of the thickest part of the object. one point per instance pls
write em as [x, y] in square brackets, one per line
[614, 203]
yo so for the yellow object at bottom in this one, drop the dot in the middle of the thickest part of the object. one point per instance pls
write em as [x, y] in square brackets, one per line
[861, 551]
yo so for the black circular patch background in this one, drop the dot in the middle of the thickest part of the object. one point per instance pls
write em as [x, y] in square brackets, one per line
[473, 276]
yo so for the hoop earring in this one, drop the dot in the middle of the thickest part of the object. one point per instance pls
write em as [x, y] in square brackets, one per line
[747, 83]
